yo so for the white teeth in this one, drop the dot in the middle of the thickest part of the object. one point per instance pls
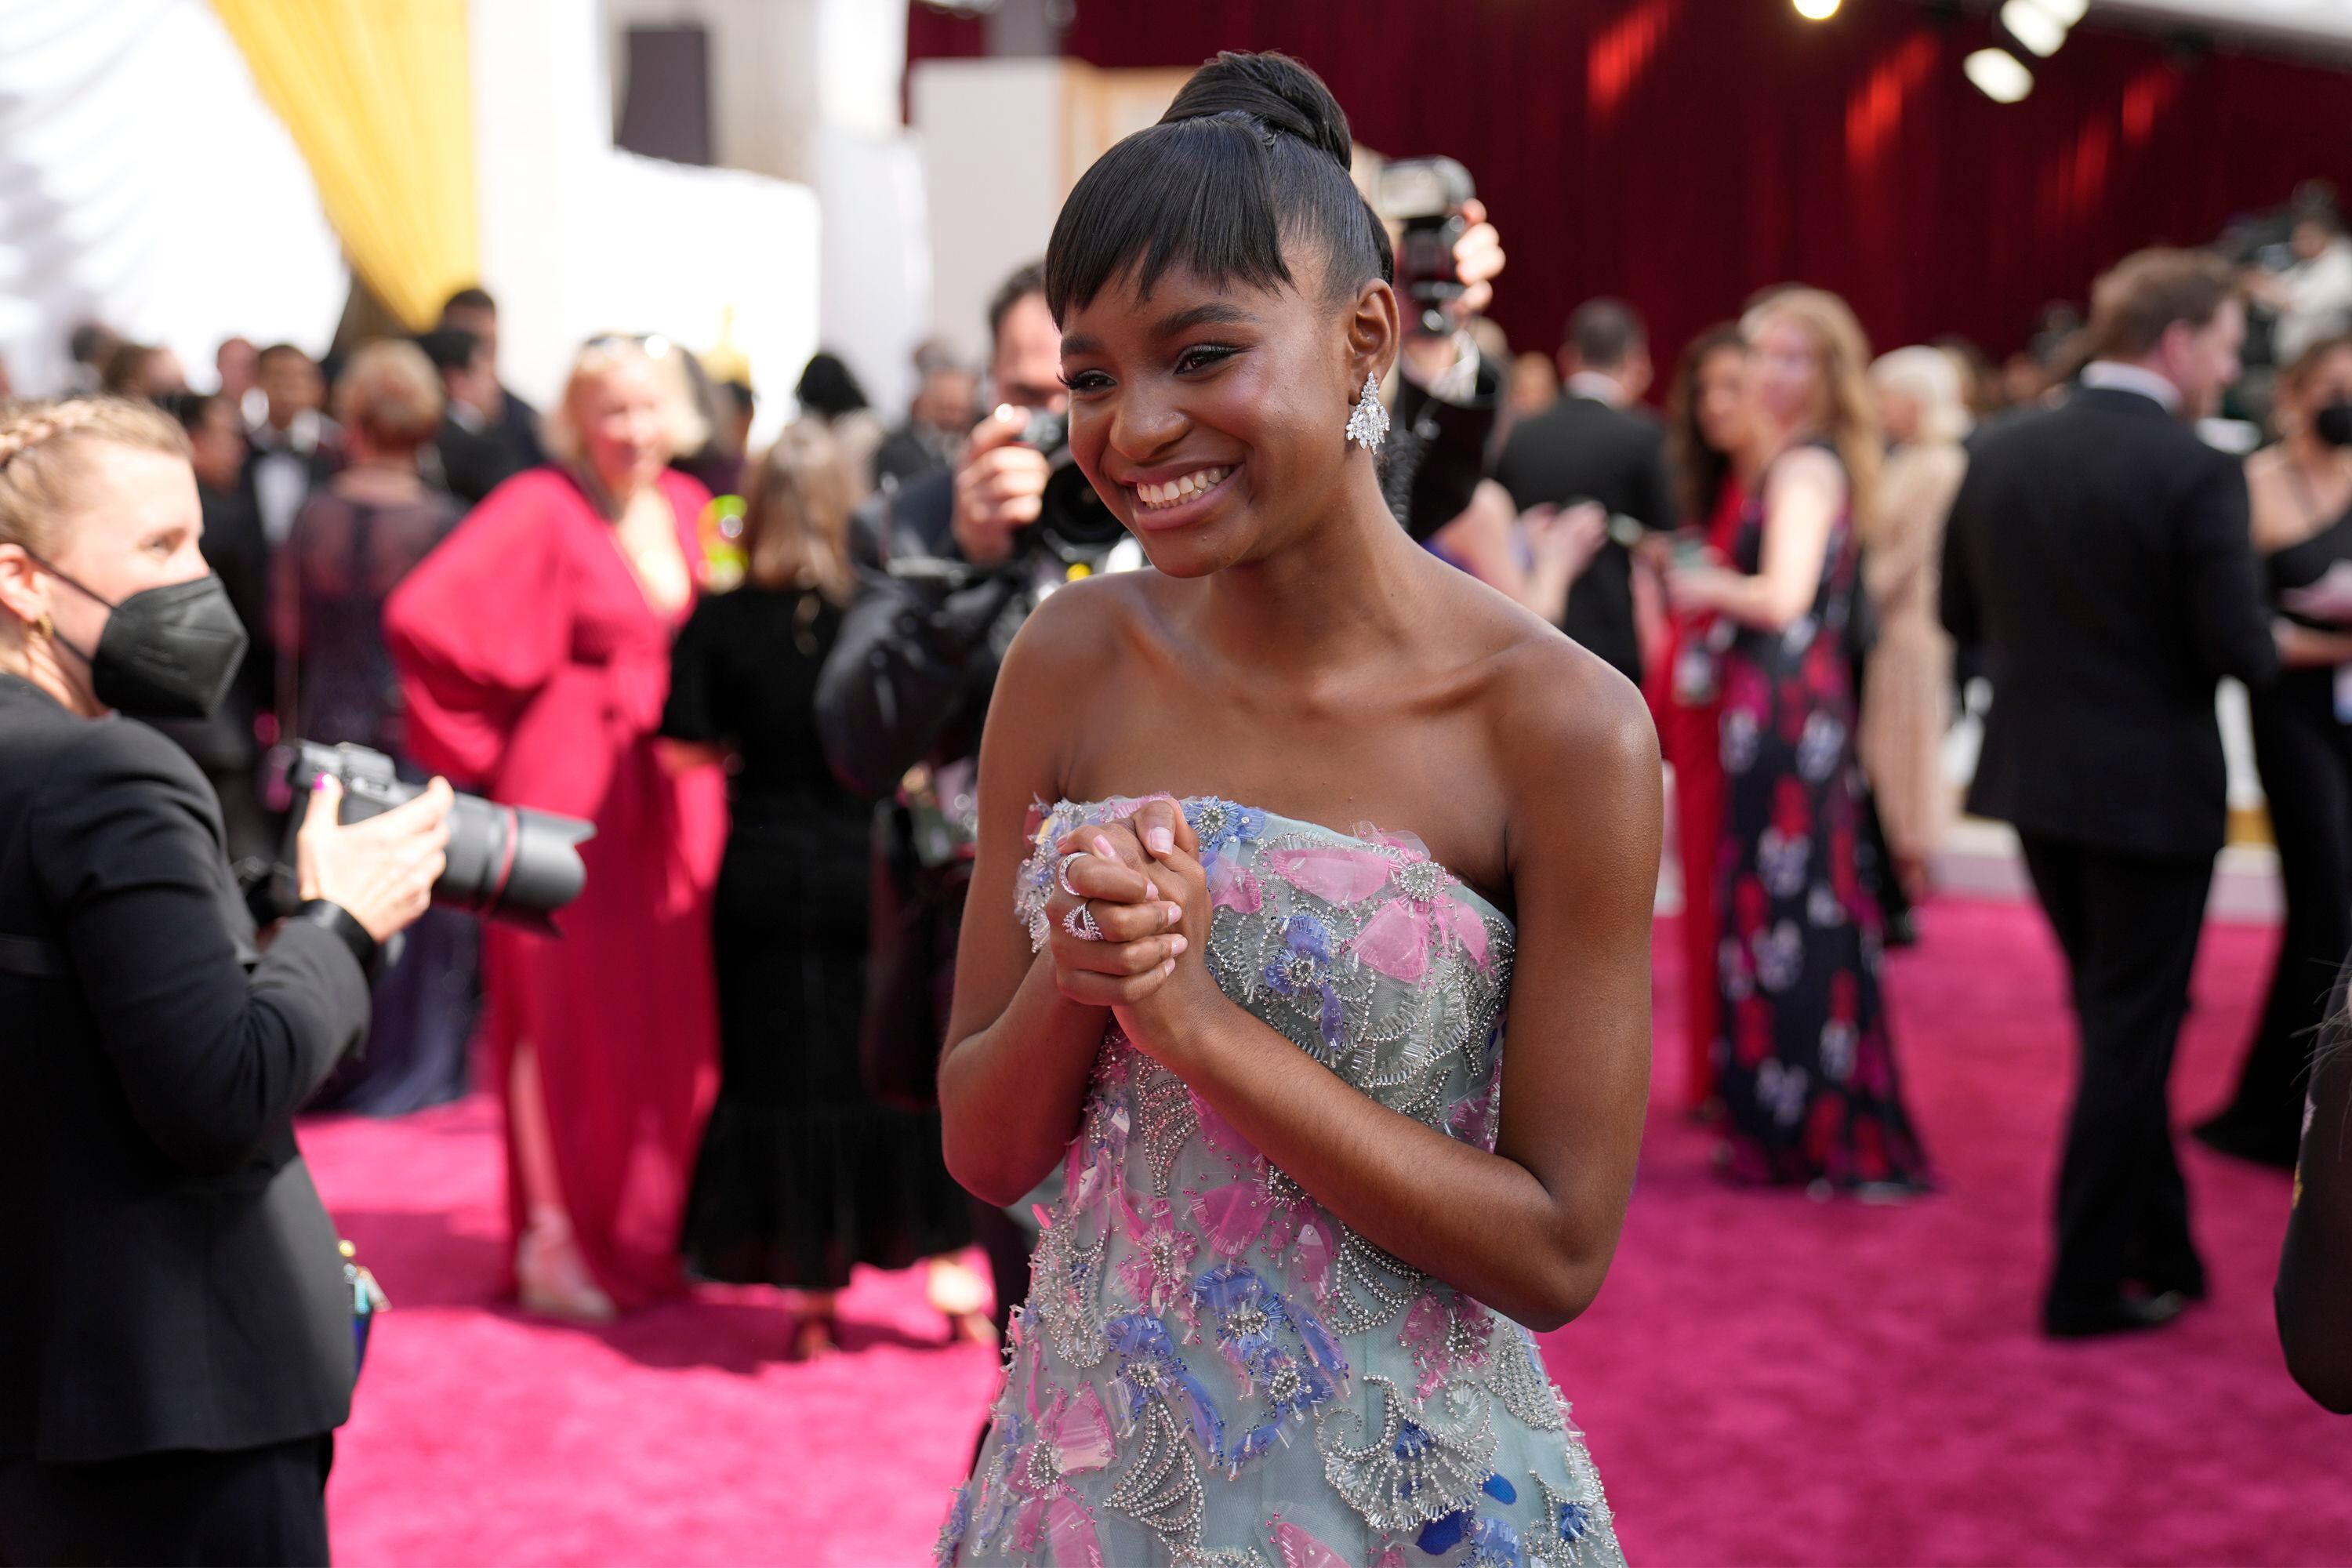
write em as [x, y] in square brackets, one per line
[1181, 488]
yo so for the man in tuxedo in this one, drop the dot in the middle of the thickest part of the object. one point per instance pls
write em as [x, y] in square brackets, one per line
[512, 421]
[2098, 553]
[473, 457]
[1598, 444]
[294, 447]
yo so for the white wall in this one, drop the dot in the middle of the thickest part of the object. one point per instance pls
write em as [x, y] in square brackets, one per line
[144, 184]
[578, 239]
[992, 137]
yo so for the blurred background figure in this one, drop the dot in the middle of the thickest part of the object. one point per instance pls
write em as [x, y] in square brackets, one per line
[353, 542]
[802, 1173]
[515, 422]
[237, 364]
[742, 404]
[1808, 1073]
[142, 372]
[1710, 454]
[534, 652]
[830, 395]
[2301, 494]
[294, 447]
[2312, 295]
[89, 347]
[1596, 443]
[2099, 552]
[2314, 1280]
[946, 403]
[1907, 671]
[470, 455]
[229, 745]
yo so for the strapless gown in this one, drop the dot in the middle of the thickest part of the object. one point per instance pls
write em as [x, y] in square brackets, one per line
[1213, 1369]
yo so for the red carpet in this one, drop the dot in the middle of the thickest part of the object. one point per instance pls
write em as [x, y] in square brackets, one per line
[1764, 1379]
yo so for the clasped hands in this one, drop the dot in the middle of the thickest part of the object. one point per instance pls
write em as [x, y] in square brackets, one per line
[1143, 888]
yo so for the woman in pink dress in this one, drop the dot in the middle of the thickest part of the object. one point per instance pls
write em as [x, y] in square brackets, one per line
[534, 653]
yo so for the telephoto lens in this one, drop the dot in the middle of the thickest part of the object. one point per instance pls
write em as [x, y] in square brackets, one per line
[505, 862]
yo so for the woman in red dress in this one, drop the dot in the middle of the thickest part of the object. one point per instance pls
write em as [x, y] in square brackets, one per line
[534, 652]
[1707, 446]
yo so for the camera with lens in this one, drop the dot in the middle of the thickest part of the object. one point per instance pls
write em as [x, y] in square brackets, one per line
[1426, 195]
[505, 862]
[1073, 525]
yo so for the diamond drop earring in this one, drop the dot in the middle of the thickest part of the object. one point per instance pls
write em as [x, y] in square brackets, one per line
[1368, 427]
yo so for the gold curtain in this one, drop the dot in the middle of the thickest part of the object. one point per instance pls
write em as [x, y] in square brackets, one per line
[378, 96]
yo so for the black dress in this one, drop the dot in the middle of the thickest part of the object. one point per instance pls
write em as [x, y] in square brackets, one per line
[801, 1173]
[2304, 752]
[1803, 1059]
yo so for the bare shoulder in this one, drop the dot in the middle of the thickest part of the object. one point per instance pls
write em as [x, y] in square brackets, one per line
[1806, 467]
[1578, 749]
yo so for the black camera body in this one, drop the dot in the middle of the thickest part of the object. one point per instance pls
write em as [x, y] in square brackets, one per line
[505, 862]
[1427, 195]
[1073, 525]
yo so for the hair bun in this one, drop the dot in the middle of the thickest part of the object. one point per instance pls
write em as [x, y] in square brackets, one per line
[1273, 88]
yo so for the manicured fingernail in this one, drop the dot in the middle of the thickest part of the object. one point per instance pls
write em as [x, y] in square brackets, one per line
[1102, 848]
[1175, 913]
[1169, 967]
[1176, 945]
[1161, 840]
[1150, 890]
[318, 783]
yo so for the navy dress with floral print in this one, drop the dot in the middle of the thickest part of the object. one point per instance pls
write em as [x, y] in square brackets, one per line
[1211, 1369]
[1805, 1060]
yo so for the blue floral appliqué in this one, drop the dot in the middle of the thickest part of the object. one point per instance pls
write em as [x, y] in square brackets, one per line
[1493, 1542]
[1303, 969]
[1150, 1369]
[1217, 823]
[1245, 1313]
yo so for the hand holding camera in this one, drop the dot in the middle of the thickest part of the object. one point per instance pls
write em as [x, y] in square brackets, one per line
[1000, 488]
[380, 869]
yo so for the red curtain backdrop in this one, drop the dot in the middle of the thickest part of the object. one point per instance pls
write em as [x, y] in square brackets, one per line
[1682, 154]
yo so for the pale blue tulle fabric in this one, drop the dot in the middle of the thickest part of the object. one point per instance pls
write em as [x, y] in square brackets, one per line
[1213, 1369]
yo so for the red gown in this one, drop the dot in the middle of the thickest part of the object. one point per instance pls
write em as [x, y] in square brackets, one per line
[1687, 735]
[534, 666]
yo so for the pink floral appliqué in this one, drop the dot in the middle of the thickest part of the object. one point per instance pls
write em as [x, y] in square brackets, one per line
[1419, 922]
[1073, 1436]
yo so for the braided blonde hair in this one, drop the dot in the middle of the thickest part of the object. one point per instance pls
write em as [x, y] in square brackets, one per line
[42, 441]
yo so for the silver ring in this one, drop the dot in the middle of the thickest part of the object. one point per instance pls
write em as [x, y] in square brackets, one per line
[1080, 922]
[1062, 872]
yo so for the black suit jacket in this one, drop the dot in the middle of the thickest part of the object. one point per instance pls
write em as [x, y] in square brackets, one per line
[2099, 554]
[168, 1277]
[1582, 449]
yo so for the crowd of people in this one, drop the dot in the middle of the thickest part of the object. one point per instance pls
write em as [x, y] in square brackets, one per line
[769, 1031]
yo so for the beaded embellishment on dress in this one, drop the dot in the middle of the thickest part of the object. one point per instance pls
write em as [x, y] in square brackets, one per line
[1211, 1369]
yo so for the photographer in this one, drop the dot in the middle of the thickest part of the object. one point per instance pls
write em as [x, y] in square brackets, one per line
[176, 1339]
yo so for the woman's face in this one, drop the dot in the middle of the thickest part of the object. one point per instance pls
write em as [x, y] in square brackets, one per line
[1720, 404]
[2329, 381]
[135, 526]
[1212, 418]
[1784, 378]
[1898, 414]
[623, 418]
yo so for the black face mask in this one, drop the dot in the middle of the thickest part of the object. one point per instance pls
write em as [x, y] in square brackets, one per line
[166, 653]
[2333, 423]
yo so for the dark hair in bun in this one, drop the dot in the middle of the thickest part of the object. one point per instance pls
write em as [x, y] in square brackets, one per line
[1253, 153]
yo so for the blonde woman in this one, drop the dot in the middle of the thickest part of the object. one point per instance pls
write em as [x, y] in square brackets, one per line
[1907, 675]
[802, 1173]
[1804, 1061]
[534, 648]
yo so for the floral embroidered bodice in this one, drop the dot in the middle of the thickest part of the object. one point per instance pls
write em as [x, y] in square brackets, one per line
[1211, 1369]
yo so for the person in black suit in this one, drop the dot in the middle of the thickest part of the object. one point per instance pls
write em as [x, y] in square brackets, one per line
[470, 455]
[176, 1327]
[515, 422]
[2099, 555]
[1596, 444]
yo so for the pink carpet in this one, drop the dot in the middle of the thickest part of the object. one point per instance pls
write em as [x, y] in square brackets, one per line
[1764, 1379]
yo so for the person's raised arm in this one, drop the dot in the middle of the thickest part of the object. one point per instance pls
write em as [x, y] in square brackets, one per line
[1020, 1046]
[1528, 1229]
[1803, 494]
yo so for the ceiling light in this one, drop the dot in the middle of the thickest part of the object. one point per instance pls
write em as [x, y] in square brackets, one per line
[2065, 13]
[1816, 10]
[1999, 75]
[2034, 26]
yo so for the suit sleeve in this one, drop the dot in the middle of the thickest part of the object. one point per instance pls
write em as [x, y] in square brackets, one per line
[2227, 618]
[480, 626]
[213, 1060]
[1956, 598]
[1659, 510]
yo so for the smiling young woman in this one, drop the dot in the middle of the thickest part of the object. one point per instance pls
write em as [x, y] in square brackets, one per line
[1308, 1197]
